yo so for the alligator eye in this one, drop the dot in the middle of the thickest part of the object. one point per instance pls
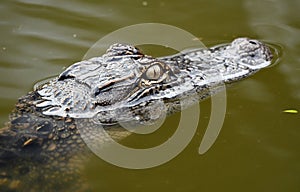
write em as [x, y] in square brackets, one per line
[154, 72]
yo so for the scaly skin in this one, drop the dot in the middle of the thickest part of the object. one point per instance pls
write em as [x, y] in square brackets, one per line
[36, 148]
[41, 148]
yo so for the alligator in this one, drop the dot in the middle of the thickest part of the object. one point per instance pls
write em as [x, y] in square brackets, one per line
[41, 148]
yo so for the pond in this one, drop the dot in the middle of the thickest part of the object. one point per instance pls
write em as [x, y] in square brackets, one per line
[258, 146]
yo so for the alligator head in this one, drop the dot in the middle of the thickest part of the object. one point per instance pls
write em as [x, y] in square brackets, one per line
[125, 84]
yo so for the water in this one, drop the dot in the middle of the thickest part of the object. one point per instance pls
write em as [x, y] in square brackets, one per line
[258, 147]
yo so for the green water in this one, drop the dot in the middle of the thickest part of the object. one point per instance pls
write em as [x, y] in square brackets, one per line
[258, 147]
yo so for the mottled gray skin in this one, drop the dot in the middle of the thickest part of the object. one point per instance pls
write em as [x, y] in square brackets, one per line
[41, 148]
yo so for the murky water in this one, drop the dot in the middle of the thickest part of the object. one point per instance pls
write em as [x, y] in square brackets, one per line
[258, 147]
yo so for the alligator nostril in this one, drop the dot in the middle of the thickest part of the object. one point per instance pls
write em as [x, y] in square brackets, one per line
[252, 42]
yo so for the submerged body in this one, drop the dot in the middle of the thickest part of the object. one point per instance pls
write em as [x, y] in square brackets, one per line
[41, 144]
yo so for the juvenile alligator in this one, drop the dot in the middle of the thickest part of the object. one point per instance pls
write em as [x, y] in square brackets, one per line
[41, 148]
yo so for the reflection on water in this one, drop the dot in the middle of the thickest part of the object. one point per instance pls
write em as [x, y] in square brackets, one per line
[258, 146]
[279, 24]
